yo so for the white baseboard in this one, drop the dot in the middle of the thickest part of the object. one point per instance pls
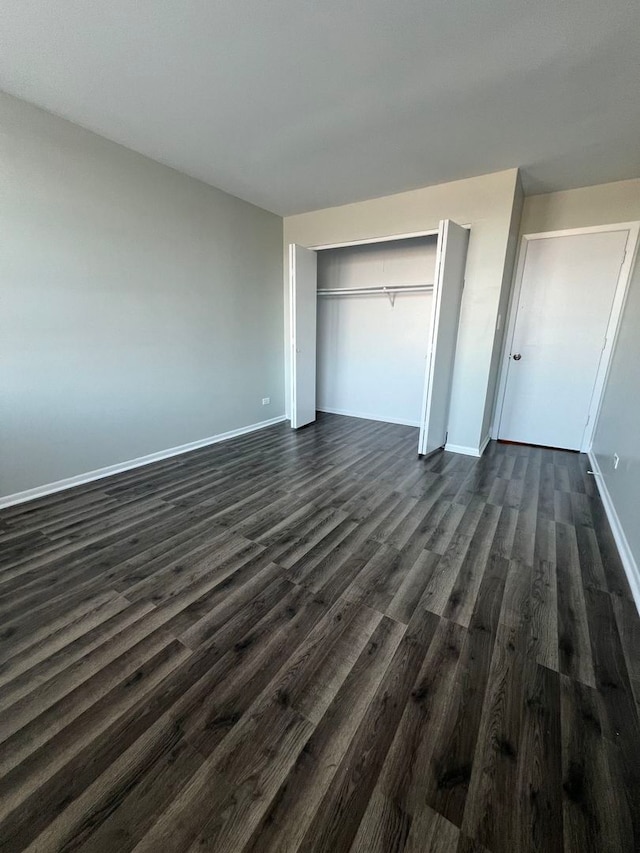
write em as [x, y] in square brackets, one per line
[367, 417]
[110, 470]
[624, 549]
[483, 445]
[468, 451]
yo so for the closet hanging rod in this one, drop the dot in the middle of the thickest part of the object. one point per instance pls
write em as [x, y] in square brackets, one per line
[384, 289]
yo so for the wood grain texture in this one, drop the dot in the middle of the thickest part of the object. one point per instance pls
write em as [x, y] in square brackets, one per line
[316, 641]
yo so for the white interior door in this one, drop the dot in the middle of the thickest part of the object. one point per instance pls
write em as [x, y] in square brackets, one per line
[303, 303]
[563, 309]
[447, 296]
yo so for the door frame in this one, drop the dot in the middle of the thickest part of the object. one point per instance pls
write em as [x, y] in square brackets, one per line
[369, 241]
[386, 238]
[613, 326]
[362, 241]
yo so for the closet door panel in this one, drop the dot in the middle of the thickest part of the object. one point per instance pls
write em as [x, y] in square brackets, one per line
[447, 296]
[302, 302]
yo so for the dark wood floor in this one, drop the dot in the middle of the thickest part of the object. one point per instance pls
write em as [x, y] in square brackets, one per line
[315, 641]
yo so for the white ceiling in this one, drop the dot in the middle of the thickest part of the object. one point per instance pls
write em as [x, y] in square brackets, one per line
[296, 104]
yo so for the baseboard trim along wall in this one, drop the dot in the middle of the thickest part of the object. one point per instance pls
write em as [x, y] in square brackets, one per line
[110, 470]
[468, 451]
[628, 561]
[368, 417]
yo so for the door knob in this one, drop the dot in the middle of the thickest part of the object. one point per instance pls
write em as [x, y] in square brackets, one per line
[517, 357]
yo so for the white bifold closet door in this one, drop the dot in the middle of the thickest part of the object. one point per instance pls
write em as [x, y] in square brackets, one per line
[303, 273]
[443, 335]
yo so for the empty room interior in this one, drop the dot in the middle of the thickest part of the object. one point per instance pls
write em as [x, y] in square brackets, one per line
[320, 427]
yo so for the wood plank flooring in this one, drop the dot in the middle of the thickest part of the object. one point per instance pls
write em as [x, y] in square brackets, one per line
[315, 641]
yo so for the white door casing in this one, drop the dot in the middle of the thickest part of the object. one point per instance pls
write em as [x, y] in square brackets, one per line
[443, 332]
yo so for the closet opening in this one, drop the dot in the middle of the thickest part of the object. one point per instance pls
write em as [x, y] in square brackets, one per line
[373, 317]
[374, 327]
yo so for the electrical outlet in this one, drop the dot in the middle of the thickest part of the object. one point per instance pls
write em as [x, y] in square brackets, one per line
[266, 401]
[616, 459]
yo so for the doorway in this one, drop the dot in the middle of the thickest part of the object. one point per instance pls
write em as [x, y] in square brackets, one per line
[568, 297]
[371, 345]
[438, 335]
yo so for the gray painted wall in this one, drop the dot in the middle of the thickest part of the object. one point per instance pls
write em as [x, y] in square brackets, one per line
[618, 429]
[139, 309]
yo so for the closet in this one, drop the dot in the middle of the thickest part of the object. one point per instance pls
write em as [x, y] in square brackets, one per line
[373, 329]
